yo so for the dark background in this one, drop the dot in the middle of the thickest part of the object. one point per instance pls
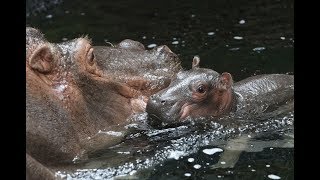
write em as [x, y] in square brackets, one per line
[268, 24]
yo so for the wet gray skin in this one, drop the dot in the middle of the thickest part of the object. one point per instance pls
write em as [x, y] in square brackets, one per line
[202, 92]
[73, 102]
[146, 70]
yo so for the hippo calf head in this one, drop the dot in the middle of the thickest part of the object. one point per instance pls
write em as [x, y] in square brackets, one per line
[196, 92]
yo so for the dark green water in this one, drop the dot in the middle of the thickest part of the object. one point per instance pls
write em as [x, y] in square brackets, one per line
[224, 33]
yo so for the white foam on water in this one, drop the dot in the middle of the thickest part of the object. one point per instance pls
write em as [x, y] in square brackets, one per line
[176, 154]
[223, 162]
[132, 172]
[258, 48]
[272, 176]
[212, 151]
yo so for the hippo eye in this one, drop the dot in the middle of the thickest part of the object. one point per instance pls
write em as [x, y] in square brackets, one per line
[201, 89]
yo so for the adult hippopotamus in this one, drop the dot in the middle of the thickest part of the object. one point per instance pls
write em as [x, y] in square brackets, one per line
[74, 105]
[205, 92]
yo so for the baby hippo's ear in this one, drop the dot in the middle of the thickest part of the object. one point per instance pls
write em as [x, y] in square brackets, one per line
[225, 81]
[41, 59]
[195, 62]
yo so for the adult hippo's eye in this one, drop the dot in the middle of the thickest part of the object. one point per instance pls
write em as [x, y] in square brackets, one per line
[201, 88]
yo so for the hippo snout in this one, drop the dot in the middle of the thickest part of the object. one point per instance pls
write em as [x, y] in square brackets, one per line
[156, 108]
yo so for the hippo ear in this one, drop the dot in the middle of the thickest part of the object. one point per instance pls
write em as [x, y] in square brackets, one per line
[41, 59]
[195, 62]
[225, 81]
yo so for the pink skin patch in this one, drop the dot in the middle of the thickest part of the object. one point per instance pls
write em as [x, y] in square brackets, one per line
[185, 109]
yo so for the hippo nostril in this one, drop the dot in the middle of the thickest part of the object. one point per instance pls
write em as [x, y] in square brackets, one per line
[163, 101]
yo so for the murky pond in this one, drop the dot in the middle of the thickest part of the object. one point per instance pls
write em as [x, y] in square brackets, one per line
[241, 37]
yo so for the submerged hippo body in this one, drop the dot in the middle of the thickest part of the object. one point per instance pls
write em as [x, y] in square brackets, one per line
[205, 92]
[72, 101]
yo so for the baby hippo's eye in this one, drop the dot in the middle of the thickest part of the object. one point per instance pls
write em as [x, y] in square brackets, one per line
[201, 88]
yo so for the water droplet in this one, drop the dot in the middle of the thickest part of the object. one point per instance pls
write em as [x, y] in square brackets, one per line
[49, 16]
[238, 37]
[175, 42]
[258, 48]
[197, 166]
[210, 33]
[151, 45]
[190, 159]
[272, 176]
[187, 174]
[282, 38]
[234, 49]
[82, 14]
[242, 21]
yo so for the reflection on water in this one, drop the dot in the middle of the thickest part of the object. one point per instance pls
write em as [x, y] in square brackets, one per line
[202, 147]
[241, 37]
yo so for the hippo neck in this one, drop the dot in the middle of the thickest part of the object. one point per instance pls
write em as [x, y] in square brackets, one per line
[105, 105]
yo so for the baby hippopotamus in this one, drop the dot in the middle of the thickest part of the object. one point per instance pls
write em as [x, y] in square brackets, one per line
[202, 92]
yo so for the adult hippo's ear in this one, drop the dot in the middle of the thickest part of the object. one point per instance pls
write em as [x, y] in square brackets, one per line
[225, 81]
[41, 59]
[195, 62]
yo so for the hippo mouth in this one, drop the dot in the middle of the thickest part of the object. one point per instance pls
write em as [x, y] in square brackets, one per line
[184, 111]
[169, 115]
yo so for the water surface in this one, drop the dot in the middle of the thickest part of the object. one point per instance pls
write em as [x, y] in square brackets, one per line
[241, 37]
